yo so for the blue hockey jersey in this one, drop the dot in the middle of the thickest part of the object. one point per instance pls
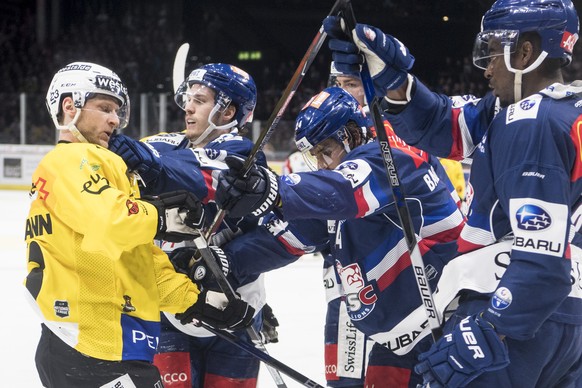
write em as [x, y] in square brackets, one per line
[526, 176]
[350, 210]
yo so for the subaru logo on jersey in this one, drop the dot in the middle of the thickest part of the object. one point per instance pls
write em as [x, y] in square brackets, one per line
[501, 299]
[532, 218]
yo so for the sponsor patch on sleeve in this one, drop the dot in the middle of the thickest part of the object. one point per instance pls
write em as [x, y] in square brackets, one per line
[355, 171]
[538, 226]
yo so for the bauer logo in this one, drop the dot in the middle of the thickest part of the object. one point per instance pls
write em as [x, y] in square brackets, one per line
[532, 217]
[501, 299]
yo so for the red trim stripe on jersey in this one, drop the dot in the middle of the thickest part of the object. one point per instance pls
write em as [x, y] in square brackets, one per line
[457, 146]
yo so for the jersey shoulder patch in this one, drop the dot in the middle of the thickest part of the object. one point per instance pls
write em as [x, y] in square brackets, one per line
[524, 109]
[355, 171]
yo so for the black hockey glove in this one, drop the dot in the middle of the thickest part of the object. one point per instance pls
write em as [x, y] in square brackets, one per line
[270, 324]
[189, 261]
[180, 215]
[139, 156]
[214, 309]
[256, 194]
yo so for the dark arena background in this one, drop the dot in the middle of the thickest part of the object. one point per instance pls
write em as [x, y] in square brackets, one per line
[139, 39]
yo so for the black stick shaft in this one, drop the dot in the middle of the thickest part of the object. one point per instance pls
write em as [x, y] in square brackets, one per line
[397, 190]
[226, 287]
[264, 357]
[281, 106]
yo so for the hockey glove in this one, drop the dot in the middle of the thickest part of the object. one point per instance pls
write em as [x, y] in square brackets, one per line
[458, 358]
[139, 156]
[189, 261]
[214, 309]
[256, 194]
[388, 59]
[180, 215]
[270, 324]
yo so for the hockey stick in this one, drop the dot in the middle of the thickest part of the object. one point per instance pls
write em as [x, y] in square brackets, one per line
[434, 320]
[179, 69]
[281, 106]
[264, 357]
[225, 286]
[178, 73]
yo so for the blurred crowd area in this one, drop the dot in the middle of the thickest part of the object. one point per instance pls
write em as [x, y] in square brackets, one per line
[139, 40]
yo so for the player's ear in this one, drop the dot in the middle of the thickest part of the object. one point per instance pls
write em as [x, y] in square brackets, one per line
[68, 108]
[526, 55]
[229, 113]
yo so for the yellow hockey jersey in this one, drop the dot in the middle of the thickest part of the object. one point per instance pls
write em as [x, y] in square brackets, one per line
[93, 270]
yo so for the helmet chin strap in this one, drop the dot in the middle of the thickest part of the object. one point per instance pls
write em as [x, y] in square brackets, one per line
[517, 83]
[72, 127]
[212, 126]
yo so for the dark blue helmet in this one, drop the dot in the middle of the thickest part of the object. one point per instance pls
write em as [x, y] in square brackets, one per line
[325, 116]
[556, 21]
[230, 84]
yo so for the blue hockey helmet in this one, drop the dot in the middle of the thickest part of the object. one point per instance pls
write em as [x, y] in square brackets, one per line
[556, 22]
[325, 116]
[230, 83]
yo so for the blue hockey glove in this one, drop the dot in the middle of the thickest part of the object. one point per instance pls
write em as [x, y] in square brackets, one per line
[216, 310]
[461, 356]
[346, 55]
[180, 215]
[388, 59]
[139, 156]
[256, 194]
[188, 260]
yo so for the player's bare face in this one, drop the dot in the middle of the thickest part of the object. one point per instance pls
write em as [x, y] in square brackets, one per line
[353, 86]
[199, 104]
[99, 119]
[500, 79]
[328, 154]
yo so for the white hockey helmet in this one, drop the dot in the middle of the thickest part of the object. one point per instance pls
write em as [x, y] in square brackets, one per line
[81, 81]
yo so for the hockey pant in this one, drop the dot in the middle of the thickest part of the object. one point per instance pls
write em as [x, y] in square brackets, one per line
[186, 361]
[387, 369]
[59, 365]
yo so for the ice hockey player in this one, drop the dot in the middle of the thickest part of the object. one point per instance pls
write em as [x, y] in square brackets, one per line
[218, 100]
[94, 274]
[349, 197]
[523, 139]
